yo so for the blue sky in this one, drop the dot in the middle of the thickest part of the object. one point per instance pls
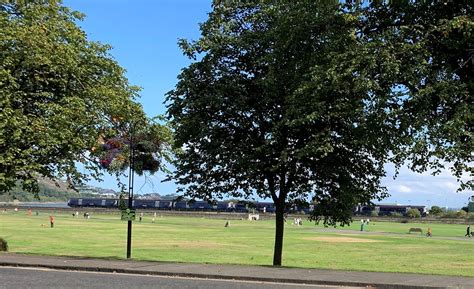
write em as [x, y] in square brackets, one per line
[144, 35]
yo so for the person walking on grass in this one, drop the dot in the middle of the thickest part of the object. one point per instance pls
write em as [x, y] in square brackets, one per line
[430, 233]
[51, 221]
[468, 231]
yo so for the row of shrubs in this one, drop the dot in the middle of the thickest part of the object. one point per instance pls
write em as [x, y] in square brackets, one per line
[461, 214]
[457, 215]
[414, 213]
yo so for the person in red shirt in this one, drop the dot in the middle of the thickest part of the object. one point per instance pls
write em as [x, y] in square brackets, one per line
[51, 221]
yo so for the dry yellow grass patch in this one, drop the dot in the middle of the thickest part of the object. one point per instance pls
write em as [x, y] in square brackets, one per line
[199, 245]
[181, 244]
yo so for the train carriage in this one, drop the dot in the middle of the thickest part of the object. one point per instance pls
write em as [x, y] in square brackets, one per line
[182, 205]
[165, 205]
[200, 206]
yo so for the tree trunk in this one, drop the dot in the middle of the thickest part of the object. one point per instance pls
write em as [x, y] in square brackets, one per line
[279, 227]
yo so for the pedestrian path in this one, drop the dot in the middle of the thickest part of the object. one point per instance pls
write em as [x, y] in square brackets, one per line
[240, 272]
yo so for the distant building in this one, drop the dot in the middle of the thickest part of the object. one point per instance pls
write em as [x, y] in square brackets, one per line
[86, 189]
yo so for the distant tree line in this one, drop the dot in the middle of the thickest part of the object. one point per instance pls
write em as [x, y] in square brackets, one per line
[45, 194]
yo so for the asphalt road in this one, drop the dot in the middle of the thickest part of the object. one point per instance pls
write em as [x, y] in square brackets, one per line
[19, 278]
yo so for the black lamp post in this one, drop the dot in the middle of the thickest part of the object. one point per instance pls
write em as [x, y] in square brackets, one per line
[130, 193]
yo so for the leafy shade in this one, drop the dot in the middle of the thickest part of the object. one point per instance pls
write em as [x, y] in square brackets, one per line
[59, 93]
[430, 45]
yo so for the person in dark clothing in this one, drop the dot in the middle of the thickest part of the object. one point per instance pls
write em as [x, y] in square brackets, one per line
[468, 231]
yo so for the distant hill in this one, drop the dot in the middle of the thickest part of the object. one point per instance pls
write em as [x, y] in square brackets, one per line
[55, 192]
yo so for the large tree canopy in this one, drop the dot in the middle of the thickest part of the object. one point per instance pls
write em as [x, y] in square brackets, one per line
[299, 100]
[431, 45]
[60, 96]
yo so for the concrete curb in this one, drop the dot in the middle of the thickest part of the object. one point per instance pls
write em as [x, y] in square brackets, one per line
[222, 277]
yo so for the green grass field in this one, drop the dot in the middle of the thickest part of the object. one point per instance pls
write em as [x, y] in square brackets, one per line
[386, 247]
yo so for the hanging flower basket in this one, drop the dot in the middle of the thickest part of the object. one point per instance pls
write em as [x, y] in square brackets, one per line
[146, 162]
[114, 154]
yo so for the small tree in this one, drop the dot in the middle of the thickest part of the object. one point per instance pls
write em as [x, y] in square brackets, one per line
[435, 211]
[413, 213]
[3, 245]
[470, 217]
[461, 214]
